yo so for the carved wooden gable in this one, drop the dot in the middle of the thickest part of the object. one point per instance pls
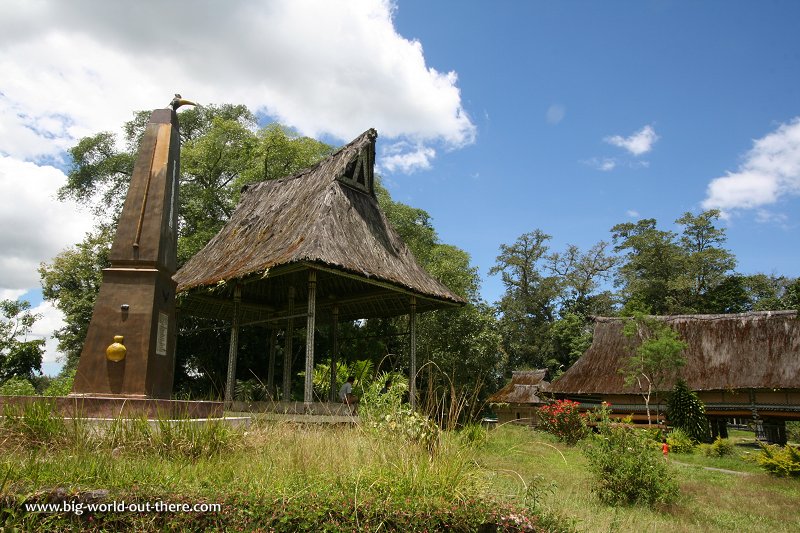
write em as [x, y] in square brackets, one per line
[359, 172]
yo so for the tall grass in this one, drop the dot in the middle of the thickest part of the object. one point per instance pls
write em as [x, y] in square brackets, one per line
[280, 475]
[291, 477]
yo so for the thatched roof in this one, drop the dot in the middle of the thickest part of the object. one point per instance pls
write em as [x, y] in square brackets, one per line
[524, 388]
[757, 350]
[326, 217]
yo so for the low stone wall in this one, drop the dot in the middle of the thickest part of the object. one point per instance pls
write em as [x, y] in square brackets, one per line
[114, 407]
[292, 408]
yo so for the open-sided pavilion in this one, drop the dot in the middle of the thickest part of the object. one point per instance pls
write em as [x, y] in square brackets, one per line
[312, 243]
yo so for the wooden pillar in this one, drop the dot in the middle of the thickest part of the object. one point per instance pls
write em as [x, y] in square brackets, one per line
[234, 347]
[287, 350]
[308, 390]
[412, 377]
[334, 352]
[271, 363]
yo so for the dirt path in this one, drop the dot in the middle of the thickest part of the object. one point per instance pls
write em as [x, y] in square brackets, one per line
[723, 470]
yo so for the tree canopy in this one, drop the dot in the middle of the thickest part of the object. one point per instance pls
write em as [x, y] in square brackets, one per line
[20, 357]
[543, 319]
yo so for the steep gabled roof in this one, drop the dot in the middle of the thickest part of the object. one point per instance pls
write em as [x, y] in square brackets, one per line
[758, 350]
[524, 388]
[326, 215]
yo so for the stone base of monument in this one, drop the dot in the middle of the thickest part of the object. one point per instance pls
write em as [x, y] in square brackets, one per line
[110, 407]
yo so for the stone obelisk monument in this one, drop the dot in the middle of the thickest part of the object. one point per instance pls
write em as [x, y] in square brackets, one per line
[130, 345]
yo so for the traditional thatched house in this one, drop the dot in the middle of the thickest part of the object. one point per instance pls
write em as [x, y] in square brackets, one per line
[314, 242]
[520, 399]
[744, 366]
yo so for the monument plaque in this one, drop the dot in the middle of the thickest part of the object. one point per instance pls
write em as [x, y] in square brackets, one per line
[137, 295]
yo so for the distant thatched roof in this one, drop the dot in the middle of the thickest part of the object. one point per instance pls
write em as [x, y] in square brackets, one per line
[524, 388]
[758, 350]
[325, 217]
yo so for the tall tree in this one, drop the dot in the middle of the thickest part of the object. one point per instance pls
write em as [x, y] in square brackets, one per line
[71, 281]
[581, 274]
[19, 356]
[528, 306]
[656, 359]
[222, 150]
[652, 264]
[707, 263]
[461, 347]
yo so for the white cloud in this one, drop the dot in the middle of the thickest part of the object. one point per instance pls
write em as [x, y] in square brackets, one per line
[770, 171]
[632, 213]
[637, 144]
[555, 113]
[70, 69]
[321, 66]
[406, 158]
[764, 216]
[50, 320]
[604, 164]
[34, 226]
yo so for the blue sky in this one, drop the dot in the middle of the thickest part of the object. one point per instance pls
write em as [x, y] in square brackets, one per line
[495, 117]
[708, 77]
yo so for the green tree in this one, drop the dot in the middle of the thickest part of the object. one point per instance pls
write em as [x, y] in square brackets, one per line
[656, 359]
[71, 281]
[667, 273]
[222, 150]
[459, 347]
[528, 306]
[652, 264]
[707, 264]
[19, 357]
[685, 410]
[581, 274]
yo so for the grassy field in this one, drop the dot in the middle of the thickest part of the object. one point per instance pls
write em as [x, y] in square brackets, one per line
[280, 476]
[711, 500]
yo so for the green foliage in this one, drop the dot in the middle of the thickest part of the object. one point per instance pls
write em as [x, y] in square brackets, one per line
[17, 386]
[361, 370]
[563, 419]
[685, 411]
[669, 274]
[793, 431]
[19, 357]
[250, 390]
[680, 442]
[386, 416]
[719, 448]
[62, 385]
[473, 434]
[71, 281]
[548, 298]
[627, 468]
[34, 424]
[782, 461]
[657, 358]
[462, 343]
[39, 425]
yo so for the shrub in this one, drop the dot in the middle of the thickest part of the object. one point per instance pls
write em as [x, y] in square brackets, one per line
[780, 461]
[473, 435]
[250, 390]
[793, 431]
[686, 411]
[17, 386]
[62, 385]
[719, 448]
[627, 467]
[563, 420]
[680, 442]
[386, 415]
